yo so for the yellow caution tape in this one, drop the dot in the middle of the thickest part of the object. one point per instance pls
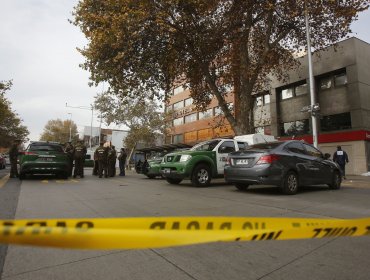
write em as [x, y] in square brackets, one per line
[159, 232]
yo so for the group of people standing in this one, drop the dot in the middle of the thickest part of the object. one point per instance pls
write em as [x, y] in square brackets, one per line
[76, 154]
[105, 161]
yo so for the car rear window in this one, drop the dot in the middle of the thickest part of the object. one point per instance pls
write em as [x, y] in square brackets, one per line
[45, 147]
[265, 146]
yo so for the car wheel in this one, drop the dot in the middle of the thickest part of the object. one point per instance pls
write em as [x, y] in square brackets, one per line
[201, 176]
[290, 183]
[242, 187]
[336, 181]
[173, 181]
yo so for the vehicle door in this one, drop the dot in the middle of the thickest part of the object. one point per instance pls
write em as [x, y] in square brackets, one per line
[299, 160]
[222, 152]
[321, 171]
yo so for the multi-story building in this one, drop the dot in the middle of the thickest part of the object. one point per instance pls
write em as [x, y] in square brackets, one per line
[342, 90]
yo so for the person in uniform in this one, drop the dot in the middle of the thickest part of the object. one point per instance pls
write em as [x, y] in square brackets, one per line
[102, 156]
[122, 162]
[13, 157]
[69, 151]
[79, 153]
[341, 158]
[112, 156]
[96, 165]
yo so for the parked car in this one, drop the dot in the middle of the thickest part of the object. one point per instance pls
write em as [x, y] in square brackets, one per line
[7, 159]
[44, 158]
[150, 158]
[2, 162]
[201, 163]
[288, 165]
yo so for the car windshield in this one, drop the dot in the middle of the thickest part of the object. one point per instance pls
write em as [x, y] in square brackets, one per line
[45, 147]
[264, 146]
[206, 146]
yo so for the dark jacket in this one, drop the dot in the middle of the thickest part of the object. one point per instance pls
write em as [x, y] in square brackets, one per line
[340, 157]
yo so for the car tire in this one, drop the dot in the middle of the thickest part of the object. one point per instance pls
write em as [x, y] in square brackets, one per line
[21, 176]
[336, 181]
[201, 176]
[173, 181]
[241, 187]
[290, 183]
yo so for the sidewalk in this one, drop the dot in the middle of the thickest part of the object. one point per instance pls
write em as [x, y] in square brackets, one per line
[357, 181]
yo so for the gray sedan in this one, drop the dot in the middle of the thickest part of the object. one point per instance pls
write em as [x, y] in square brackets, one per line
[288, 165]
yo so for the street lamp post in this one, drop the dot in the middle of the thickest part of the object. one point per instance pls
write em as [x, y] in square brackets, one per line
[70, 127]
[314, 106]
[92, 116]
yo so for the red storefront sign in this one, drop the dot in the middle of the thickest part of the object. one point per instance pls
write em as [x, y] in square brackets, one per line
[357, 135]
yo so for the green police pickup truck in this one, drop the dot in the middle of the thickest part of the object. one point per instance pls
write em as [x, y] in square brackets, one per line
[201, 163]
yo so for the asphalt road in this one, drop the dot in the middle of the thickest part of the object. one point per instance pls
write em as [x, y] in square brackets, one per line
[135, 196]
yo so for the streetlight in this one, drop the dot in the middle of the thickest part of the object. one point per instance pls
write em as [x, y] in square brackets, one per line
[70, 127]
[314, 106]
[92, 116]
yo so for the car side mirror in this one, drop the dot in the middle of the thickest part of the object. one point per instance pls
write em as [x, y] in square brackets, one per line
[327, 156]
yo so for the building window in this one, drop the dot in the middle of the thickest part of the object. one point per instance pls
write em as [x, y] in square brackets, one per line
[178, 90]
[335, 79]
[336, 122]
[340, 79]
[178, 105]
[188, 101]
[191, 118]
[178, 121]
[259, 101]
[301, 90]
[205, 115]
[266, 99]
[287, 93]
[178, 138]
[297, 89]
[295, 128]
[325, 83]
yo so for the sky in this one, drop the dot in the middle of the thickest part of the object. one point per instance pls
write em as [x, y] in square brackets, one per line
[38, 52]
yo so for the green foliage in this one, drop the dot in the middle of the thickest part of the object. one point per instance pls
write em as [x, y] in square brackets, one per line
[58, 131]
[11, 127]
[143, 48]
[142, 117]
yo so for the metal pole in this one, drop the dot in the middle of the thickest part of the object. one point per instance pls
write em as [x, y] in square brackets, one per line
[311, 80]
[70, 127]
[100, 129]
[91, 128]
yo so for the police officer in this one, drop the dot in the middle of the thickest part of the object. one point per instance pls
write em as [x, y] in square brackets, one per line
[13, 157]
[102, 156]
[79, 153]
[96, 165]
[112, 156]
[122, 162]
[69, 150]
[341, 158]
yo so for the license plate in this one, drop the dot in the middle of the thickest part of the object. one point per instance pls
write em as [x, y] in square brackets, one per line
[167, 170]
[46, 159]
[242, 161]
